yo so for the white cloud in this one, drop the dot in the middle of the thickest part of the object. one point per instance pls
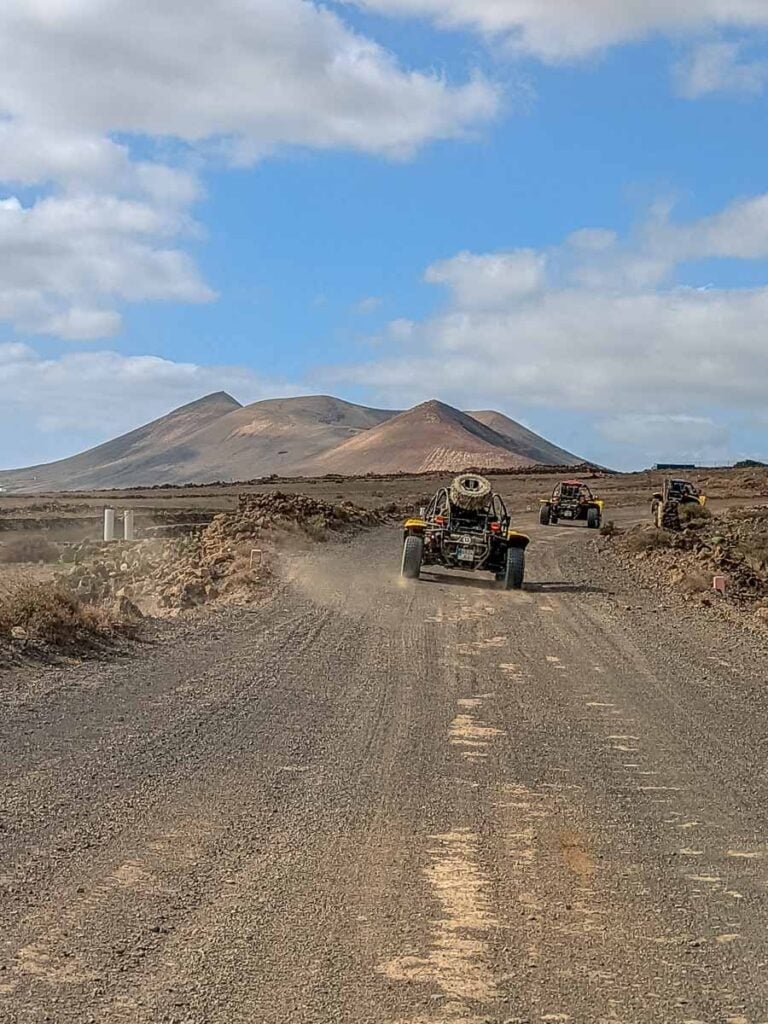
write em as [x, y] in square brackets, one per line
[87, 397]
[599, 259]
[78, 324]
[600, 333]
[63, 260]
[175, 77]
[586, 350]
[494, 279]
[556, 30]
[368, 305]
[34, 154]
[264, 72]
[673, 433]
[12, 352]
[401, 329]
[648, 439]
[715, 67]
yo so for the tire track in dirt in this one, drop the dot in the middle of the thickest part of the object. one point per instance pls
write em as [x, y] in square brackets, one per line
[442, 804]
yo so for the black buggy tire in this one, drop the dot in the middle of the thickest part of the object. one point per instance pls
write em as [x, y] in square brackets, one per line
[413, 553]
[514, 569]
[545, 514]
[669, 517]
[593, 519]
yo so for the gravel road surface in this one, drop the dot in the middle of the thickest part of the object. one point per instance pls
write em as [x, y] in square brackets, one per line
[363, 802]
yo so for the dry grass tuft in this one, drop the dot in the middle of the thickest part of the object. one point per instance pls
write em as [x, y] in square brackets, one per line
[50, 614]
[648, 538]
[694, 514]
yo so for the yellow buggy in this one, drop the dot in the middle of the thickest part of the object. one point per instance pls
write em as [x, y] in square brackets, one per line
[466, 526]
[573, 501]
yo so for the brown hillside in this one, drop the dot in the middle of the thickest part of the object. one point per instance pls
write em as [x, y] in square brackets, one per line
[213, 439]
[273, 436]
[143, 455]
[217, 439]
[432, 436]
[525, 441]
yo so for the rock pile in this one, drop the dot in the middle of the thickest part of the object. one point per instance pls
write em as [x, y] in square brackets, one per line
[733, 545]
[142, 574]
[228, 561]
[278, 511]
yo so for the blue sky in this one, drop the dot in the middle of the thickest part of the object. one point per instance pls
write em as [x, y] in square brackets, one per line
[388, 200]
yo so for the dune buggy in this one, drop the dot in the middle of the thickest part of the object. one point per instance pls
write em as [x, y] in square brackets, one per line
[666, 504]
[572, 500]
[466, 526]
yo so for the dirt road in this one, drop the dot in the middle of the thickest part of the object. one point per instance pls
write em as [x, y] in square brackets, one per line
[435, 805]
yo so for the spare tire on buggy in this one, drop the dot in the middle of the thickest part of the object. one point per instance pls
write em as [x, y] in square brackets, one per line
[470, 492]
[466, 526]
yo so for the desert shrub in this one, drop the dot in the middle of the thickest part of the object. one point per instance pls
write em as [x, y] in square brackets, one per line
[754, 550]
[28, 549]
[649, 539]
[315, 528]
[50, 613]
[692, 513]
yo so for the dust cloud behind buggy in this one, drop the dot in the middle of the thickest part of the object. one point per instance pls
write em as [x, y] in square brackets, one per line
[466, 526]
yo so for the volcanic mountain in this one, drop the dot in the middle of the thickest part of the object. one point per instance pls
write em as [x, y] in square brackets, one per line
[143, 455]
[526, 443]
[214, 438]
[273, 436]
[430, 437]
[217, 439]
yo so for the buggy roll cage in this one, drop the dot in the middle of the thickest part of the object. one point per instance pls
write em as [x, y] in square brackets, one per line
[571, 489]
[677, 489]
[683, 487]
[441, 508]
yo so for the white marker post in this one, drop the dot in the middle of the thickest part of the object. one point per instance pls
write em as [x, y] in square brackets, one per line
[128, 526]
[109, 525]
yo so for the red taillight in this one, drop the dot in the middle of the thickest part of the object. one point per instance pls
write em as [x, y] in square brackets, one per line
[495, 527]
[440, 520]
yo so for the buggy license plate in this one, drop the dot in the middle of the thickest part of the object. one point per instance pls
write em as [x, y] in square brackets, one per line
[465, 554]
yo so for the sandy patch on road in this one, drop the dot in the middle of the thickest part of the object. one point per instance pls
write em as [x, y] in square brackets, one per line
[457, 962]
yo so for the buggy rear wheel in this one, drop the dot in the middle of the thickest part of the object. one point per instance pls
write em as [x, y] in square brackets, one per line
[413, 552]
[593, 518]
[669, 516]
[514, 569]
[545, 514]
